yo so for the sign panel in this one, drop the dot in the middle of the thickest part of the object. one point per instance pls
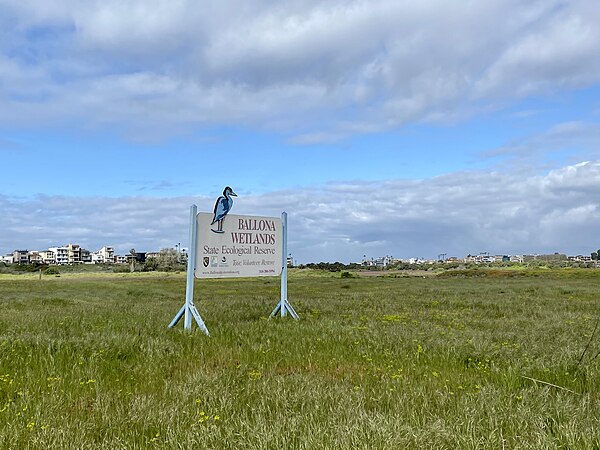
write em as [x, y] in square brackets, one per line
[238, 246]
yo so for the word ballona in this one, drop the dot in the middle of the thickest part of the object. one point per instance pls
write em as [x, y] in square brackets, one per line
[249, 225]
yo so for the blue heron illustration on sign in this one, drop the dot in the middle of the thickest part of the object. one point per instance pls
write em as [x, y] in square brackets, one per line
[222, 207]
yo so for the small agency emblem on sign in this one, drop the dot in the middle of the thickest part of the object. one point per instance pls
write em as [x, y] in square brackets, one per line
[205, 261]
[222, 207]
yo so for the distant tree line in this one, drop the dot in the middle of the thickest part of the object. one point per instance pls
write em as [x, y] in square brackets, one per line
[338, 266]
[331, 267]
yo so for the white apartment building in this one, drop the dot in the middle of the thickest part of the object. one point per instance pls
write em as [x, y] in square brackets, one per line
[108, 253]
[61, 254]
[48, 257]
[104, 255]
[97, 258]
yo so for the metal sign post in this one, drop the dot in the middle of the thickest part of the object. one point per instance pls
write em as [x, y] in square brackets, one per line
[188, 310]
[283, 307]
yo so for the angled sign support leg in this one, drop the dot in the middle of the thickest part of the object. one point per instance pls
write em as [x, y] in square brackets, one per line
[284, 307]
[188, 310]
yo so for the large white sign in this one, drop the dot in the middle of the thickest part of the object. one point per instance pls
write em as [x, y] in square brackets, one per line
[238, 246]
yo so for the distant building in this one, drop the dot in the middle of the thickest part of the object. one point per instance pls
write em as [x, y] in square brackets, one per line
[61, 255]
[120, 259]
[381, 261]
[48, 257]
[86, 256]
[106, 255]
[8, 259]
[183, 255]
[137, 257]
[20, 257]
[580, 258]
[417, 261]
[35, 257]
[74, 254]
[483, 257]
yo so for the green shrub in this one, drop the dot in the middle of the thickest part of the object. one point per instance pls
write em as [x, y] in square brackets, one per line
[121, 268]
[52, 270]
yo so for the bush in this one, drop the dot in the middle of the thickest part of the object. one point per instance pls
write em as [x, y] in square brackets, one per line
[52, 270]
[121, 268]
[150, 264]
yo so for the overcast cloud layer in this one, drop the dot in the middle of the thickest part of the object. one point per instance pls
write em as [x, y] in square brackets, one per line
[455, 214]
[316, 71]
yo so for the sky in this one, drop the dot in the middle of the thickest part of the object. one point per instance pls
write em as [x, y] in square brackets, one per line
[381, 127]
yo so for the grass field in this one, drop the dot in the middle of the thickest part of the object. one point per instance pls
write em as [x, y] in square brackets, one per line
[86, 362]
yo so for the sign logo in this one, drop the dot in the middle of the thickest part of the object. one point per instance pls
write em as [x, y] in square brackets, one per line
[205, 261]
[222, 207]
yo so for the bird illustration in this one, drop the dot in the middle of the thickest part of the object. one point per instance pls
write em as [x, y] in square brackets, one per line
[222, 207]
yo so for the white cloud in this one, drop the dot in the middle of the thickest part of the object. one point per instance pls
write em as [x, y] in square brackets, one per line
[565, 142]
[455, 214]
[560, 51]
[312, 70]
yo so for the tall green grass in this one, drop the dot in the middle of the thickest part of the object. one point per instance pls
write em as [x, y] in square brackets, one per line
[87, 362]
